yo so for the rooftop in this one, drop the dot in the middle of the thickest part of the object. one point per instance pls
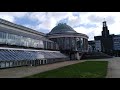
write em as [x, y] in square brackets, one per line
[20, 27]
[62, 28]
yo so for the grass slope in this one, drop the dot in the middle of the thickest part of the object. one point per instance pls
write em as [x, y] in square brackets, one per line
[88, 69]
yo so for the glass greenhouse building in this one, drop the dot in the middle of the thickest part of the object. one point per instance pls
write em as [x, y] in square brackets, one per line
[22, 46]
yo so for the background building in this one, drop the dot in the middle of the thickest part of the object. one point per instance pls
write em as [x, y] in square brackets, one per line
[91, 47]
[109, 44]
[116, 45]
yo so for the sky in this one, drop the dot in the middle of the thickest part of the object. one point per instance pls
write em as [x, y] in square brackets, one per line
[89, 23]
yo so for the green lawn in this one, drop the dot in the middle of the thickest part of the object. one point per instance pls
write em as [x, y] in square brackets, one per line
[88, 69]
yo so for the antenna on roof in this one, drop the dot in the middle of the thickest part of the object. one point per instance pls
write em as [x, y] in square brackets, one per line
[104, 19]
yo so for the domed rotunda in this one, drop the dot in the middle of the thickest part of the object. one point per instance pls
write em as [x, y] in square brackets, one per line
[69, 41]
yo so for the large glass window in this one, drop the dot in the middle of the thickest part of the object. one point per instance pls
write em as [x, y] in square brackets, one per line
[67, 43]
[11, 39]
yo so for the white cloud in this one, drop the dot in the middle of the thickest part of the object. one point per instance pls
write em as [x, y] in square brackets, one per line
[112, 18]
[47, 24]
[74, 21]
[40, 16]
[29, 26]
[17, 14]
[89, 32]
[48, 20]
[7, 17]
[10, 16]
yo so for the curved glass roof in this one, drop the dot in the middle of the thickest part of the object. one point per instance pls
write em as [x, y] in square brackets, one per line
[12, 55]
[62, 28]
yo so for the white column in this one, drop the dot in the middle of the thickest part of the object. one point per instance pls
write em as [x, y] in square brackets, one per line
[30, 62]
[77, 56]
[40, 62]
[43, 61]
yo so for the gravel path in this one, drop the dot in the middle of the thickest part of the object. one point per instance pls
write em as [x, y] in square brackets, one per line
[30, 70]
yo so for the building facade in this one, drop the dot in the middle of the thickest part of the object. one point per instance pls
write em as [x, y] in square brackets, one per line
[91, 47]
[116, 42]
[69, 41]
[109, 44]
[116, 45]
[20, 46]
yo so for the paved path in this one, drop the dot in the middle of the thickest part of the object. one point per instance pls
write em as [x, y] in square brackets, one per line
[30, 70]
[113, 68]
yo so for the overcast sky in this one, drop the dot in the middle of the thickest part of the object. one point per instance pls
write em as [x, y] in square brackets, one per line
[89, 23]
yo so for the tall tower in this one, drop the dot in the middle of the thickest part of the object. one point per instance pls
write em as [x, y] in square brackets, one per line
[105, 32]
[106, 40]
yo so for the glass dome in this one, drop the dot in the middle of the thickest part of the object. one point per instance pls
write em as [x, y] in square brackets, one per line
[62, 28]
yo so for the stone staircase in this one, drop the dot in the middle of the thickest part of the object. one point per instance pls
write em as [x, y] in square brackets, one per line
[94, 55]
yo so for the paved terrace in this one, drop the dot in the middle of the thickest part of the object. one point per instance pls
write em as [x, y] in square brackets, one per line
[113, 68]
